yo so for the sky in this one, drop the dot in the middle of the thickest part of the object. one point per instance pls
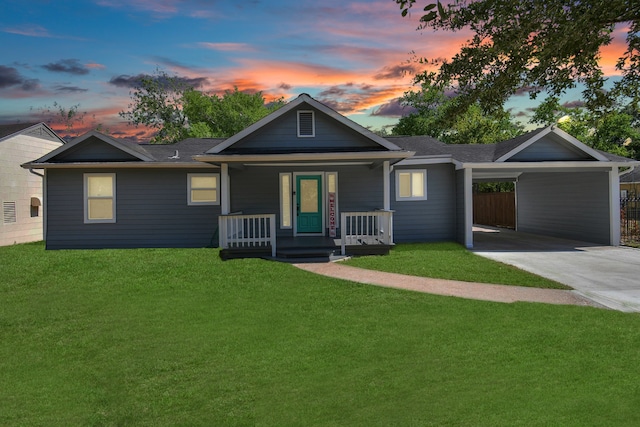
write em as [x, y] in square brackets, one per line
[354, 56]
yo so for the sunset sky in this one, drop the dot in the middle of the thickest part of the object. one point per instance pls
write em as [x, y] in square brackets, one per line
[352, 55]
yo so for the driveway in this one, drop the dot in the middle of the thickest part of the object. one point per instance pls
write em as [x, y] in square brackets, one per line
[608, 275]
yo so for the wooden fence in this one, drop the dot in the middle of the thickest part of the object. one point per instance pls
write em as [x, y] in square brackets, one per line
[495, 209]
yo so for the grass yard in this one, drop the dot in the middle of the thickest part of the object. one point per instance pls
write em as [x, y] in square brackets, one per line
[172, 337]
[450, 260]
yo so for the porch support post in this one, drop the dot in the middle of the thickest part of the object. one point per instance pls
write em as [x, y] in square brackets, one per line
[614, 204]
[224, 189]
[468, 208]
[386, 185]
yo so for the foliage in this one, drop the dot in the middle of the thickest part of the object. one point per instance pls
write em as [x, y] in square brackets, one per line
[177, 110]
[534, 45]
[611, 131]
[215, 116]
[168, 337]
[433, 117]
[71, 118]
[157, 103]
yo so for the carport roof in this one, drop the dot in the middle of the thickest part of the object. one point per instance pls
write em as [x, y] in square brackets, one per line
[425, 146]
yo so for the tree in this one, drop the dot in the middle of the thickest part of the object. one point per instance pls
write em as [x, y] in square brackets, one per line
[215, 116]
[71, 118]
[612, 131]
[534, 45]
[157, 103]
[177, 110]
[471, 126]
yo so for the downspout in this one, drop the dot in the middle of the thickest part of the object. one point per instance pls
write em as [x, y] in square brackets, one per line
[36, 173]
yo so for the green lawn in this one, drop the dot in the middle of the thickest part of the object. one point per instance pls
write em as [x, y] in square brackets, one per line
[451, 261]
[171, 337]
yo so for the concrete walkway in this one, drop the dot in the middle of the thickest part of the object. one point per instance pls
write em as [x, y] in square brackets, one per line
[479, 291]
[608, 275]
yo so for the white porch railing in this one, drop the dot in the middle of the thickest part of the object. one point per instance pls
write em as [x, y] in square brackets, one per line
[247, 231]
[366, 228]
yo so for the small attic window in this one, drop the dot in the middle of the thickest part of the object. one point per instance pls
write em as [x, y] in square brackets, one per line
[306, 124]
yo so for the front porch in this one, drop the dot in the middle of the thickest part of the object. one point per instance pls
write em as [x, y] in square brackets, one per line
[254, 236]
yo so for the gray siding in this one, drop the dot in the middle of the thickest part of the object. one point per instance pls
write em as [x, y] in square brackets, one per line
[255, 190]
[547, 149]
[433, 219]
[281, 135]
[94, 150]
[569, 205]
[151, 211]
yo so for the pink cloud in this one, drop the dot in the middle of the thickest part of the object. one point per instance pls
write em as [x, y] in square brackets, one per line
[95, 66]
[228, 47]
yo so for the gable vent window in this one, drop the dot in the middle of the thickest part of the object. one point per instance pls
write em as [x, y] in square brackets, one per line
[8, 212]
[306, 124]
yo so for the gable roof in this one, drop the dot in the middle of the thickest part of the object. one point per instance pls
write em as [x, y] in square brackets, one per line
[33, 129]
[507, 149]
[302, 99]
[126, 147]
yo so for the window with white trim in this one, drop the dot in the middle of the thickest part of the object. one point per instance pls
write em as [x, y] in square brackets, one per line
[99, 197]
[306, 124]
[203, 189]
[411, 184]
[286, 197]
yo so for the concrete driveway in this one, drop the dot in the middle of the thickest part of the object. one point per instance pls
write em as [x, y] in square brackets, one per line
[608, 275]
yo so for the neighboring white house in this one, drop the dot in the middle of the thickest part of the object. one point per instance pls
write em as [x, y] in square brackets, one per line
[21, 196]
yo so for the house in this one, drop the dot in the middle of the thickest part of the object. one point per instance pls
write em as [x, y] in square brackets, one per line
[306, 175]
[630, 184]
[20, 189]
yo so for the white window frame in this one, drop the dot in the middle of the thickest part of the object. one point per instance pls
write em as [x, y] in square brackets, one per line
[424, 184]
[286, 195]
[111, 220]
[313, 123]
[191, 202]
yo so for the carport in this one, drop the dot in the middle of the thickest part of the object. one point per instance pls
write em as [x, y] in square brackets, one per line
[563, 188]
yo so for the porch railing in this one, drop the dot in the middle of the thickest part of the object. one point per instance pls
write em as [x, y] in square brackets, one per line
[248, 231]
[366, 228]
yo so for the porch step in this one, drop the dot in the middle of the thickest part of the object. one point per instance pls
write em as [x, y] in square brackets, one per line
[313, 252]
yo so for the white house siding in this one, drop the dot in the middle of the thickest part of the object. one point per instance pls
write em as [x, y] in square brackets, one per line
[151, 211]
[19, 185]
[428, 220]
[571, 205]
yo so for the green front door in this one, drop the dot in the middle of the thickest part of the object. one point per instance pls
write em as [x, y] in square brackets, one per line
[309, 203]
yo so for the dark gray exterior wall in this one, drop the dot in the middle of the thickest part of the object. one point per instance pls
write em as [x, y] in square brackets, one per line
[569, 205]
[255, 190]
[281, 134]
[548, 150]
[433, 219]
[151, 211]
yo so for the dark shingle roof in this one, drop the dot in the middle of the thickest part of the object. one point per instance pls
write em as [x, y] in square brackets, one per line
[6, 130]
[633, 176]
[428, 146]
[186, 149]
